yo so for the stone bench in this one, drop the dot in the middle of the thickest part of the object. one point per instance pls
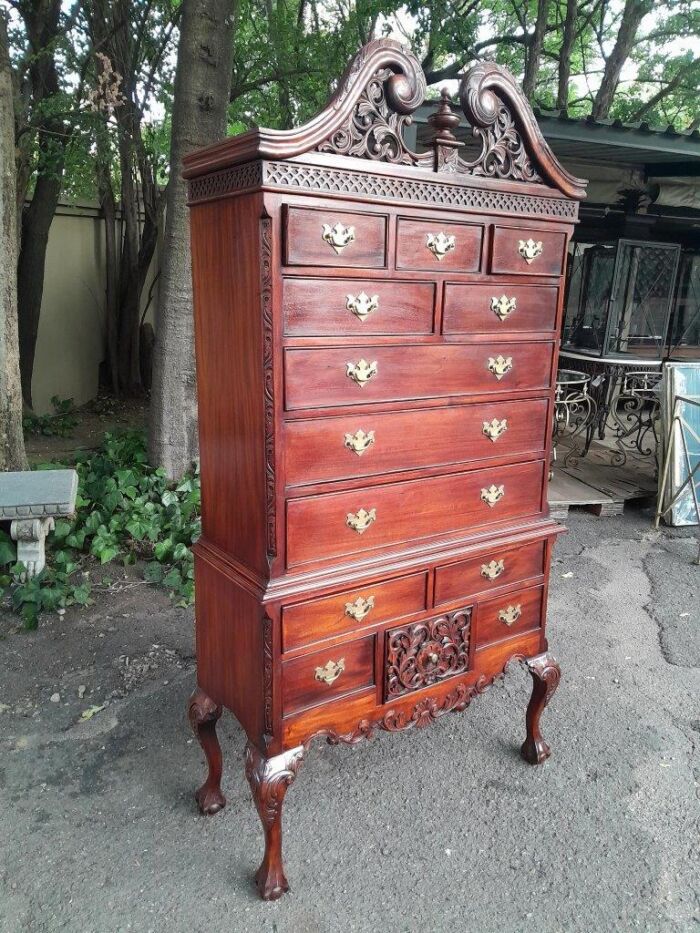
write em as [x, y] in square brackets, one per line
[31, 500]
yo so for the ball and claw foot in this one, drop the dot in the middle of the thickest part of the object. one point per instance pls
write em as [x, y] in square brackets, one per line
[545, 674]
[203, 715]
[269, 779]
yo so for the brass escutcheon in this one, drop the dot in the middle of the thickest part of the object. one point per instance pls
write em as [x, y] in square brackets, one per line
[362, 305]
[360, 609]
[361, 520]
[494, 429]
[361, 372]
[510, 615]
[338, 236]
[359, 442]
[503, 306]
[500, 365]
[330, 672]
[492, 495]
[493, 569]
[440, 244]
[530, 249]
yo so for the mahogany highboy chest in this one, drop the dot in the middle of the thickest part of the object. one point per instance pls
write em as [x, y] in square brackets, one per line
[377, 334]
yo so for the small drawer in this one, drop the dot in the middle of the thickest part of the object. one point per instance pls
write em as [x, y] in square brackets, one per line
[320, 307]
[439, 247]
[488, 571]
[528, 252]
[506, 616]
[317, 619]
[318, 378]
[334, 238]
[327, 675]
[326, 449]
[499, 309]
[341, 524]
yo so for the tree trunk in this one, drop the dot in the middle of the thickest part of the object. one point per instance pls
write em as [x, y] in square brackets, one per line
[633, 13]
[565, 52]
[534, 50]
[42, 21]
[202, 87]
[12, 453]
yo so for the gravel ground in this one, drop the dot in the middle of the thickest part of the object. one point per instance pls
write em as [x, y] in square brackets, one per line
[441, 829]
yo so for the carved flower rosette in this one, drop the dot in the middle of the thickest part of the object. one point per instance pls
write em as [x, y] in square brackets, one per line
[425, 653]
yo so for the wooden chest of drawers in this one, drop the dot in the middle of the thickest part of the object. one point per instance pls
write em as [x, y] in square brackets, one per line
[377, 334]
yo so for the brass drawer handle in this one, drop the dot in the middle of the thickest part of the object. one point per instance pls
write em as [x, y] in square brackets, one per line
[503, 306]
[530, 249]
[338, 236]
[359, 442]
[500, 365]
[361, 520]
[494, 429]
[330, 671]
[360, 609]
[493, 569]
[440, 244]
[492, 495]
[361, 372]
[510, 615]
[362, 305]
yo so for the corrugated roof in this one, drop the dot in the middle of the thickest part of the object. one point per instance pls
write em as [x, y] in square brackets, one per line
[585, 139]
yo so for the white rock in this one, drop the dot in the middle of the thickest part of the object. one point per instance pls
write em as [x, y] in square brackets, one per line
[55, 697]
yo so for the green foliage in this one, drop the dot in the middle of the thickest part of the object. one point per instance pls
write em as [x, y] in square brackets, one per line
[60, 424]
[125, 510]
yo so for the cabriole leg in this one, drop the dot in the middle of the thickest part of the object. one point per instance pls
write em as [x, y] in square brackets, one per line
[269, 779]
[203, 715]
[545, 679]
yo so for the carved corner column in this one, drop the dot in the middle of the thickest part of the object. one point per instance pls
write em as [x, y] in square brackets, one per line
[269, 779]
[546, 674]
[203, 714]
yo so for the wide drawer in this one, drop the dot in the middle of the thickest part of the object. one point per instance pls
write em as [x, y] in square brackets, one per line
[421, 244]
[356, 307]
[498, 309]
[320, 378]
[498, 567]
[327, 449]
[506, 616]
[317, 619]
[327, 675]
[329, 237]
[528, 252]
[345, 523]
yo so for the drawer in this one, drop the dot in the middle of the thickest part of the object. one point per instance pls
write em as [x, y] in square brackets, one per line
[327, 675]
[356, 307]
[346, 523]
[510, 615]
[319, 378]
[334, 238]
[528, 252]
[499, 309]
[494, 568]
[327, 449]
[449, 247]
[317, 619]
[422, 654]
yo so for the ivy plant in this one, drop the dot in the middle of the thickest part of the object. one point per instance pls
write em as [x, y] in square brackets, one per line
[125, 510]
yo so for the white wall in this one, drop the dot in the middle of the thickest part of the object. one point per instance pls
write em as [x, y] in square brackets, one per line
[71, 339]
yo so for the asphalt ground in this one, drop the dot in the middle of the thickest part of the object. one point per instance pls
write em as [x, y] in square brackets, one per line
[437, 829]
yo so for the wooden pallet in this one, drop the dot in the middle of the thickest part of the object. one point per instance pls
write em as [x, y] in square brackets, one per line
[599, 487]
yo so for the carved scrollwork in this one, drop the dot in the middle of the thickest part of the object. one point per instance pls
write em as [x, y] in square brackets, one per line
[512, 146]
[390, 92]
[425, 653]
